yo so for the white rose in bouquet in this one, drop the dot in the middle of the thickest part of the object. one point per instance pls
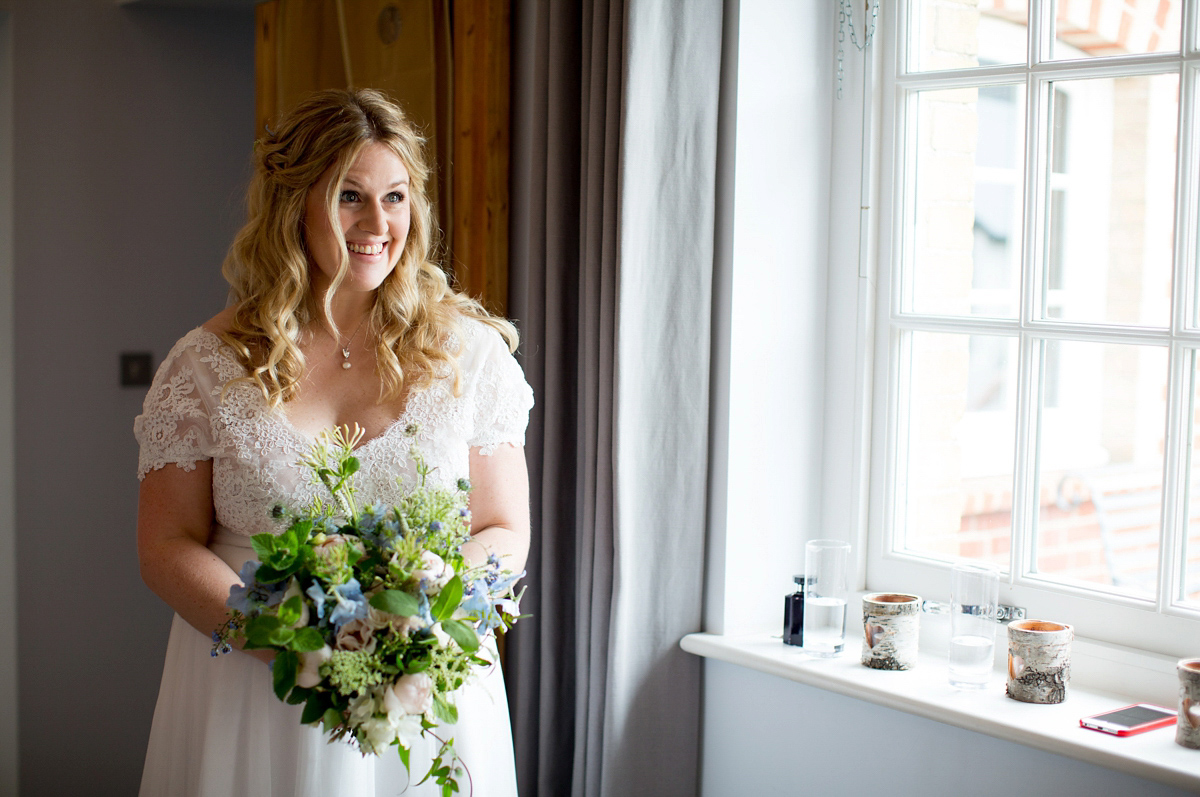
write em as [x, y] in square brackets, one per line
[401, 626]
[434, 571]
[356, 635]
[413, 693]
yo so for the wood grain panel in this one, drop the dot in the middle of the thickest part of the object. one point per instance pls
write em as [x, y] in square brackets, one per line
[481, 109]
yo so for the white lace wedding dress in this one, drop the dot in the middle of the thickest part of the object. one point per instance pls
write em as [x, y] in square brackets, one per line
[218, 729]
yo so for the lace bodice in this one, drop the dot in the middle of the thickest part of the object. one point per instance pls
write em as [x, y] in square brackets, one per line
[189, 416]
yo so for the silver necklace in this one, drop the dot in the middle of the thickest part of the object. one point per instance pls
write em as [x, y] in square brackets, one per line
[346, 349]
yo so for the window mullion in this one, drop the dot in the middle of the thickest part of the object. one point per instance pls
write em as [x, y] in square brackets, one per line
[1188, 43]
[1034, 185]
[1025, 455]
[1181, 390]
[1041, 31]
[1171, 547]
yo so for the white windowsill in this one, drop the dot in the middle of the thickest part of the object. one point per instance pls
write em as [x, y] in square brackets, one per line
[924, 691]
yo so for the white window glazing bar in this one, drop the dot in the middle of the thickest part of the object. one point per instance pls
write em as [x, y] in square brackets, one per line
[1110, 66]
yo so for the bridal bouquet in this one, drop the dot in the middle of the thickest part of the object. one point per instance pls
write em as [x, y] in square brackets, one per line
[375, 616]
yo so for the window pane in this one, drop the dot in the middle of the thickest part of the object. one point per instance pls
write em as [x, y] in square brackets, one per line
[1100, 462]
[957, 455]
[966, 253]
[952, 34]
[1110, 236]
[1088, 28]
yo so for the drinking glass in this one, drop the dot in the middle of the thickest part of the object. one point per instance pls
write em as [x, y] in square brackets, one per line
[974, 592]
[827, 565]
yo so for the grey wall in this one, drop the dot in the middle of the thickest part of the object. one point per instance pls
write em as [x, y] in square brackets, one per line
[132, 135]
[771, 737]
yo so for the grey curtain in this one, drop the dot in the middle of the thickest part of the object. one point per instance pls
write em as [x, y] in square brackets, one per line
[614, 163]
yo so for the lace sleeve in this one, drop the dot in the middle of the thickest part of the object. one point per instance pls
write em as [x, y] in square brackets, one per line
[502, 396]
[175, 422]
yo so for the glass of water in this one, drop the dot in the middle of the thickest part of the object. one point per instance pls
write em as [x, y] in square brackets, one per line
[974, 592]
[827, 565]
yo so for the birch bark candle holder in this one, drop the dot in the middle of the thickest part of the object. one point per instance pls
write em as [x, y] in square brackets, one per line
[891, 627]
[1039, 661]
[1187, 727]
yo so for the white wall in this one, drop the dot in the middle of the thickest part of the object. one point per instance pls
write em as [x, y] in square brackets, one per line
[780, 222]
[132, 134]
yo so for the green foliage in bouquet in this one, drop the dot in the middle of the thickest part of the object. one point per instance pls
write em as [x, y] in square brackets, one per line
[375, 616]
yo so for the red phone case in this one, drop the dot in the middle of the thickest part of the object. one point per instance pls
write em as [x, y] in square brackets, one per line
[1134, 730]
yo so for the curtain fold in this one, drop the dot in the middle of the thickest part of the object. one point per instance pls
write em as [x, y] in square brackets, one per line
[672, 58]
[614, 164]
[544, 213]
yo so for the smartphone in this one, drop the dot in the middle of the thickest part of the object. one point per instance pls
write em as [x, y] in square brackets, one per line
[1138, 718]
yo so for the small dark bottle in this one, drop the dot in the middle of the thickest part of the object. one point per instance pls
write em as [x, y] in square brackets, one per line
[793, 614]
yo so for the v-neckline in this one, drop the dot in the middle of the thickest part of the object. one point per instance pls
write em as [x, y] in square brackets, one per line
[308, 440]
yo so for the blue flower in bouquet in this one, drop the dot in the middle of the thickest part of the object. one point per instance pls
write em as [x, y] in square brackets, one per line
[478, 604]
[423, 608]
[475, 598]
[391, 527]
[370, 519]
[383, 532]
[249, 597]
[501, 581]
[318, 598]
[351, 605]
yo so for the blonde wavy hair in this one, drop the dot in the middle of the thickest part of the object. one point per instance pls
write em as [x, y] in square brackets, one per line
[416, 313]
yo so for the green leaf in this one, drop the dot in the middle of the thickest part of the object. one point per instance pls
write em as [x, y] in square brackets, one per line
[314, 708]
[350, 466]
[404, 757]
[284, 673]
[263, 544]
[462, 633]
[394, 601]
[307, 640]
[447, 600]
[259, 630]
[289, 612]
[280, 569]
[331, 718]
[444, 711]
[269, 575]
[298, 696]
[282, 637]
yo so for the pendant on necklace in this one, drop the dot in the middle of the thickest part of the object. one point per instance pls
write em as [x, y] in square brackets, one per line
[346, 357]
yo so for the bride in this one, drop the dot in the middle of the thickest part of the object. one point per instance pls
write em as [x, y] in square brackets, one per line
[338, 318]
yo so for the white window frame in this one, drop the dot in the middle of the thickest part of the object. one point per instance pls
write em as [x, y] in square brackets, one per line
[1154, 625]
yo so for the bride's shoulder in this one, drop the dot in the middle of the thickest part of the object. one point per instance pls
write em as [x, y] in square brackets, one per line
[202, 348]
[221, 323]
